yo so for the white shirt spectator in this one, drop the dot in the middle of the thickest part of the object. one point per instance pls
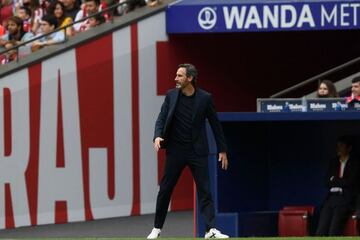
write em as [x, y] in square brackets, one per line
[56, 37]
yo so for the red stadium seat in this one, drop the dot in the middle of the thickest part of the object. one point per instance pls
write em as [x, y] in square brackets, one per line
[294, 221]
[309, 209]
[351, 227]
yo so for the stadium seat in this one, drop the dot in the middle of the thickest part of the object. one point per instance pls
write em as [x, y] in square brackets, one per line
[351, 227]
[294, 221]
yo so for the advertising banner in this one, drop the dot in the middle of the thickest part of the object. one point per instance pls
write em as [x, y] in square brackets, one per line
[205, 16]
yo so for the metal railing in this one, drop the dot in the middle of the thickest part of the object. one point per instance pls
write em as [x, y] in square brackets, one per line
[315, 78]
[107, 10]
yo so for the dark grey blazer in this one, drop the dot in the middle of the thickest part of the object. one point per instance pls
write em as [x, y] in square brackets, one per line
[204, 109]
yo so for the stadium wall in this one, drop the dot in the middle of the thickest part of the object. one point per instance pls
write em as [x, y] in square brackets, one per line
[76, 138]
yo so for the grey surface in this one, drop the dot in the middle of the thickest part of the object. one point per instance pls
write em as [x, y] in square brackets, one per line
[178, 224]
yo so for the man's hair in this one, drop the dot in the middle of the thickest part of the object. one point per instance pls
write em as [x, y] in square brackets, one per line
[348, 140]
[97, 2]
[51, 19]
[18, 21]
[27, 10]
[356, 79]
[190, 72]
[100, 19]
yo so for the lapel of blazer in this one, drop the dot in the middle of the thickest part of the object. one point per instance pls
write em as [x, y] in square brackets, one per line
[174, 98]
[197, 104]
[347, 167]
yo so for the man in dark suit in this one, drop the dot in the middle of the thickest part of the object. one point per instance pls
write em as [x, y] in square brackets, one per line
[180, 128]
[342, 181]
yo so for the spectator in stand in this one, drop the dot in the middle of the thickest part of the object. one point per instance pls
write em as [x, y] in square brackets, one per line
[342, 181]
[104, 4]
[154, 3]
[71, 8]
[45, 4]
[2, 30]
[6, 11]
[355, 90]
[15, 32]
[327, 89]
[57, 9]
[37, 14]
[91, 7]
[11, 55]
[136, 4]
[25, 14]
[130, 6]
[48, 24]
[95, 21]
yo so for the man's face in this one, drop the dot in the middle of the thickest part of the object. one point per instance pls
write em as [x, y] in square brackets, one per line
[181, 80]
[13, 28]
[355, 89]
[93, 22]
[22, 14]
[45, 27]
[342, 149]
[91, 7]
[323, 90]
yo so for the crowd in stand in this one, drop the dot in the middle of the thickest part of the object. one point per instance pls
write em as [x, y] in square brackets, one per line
[327, 89]
[343, 174]
[22, 20]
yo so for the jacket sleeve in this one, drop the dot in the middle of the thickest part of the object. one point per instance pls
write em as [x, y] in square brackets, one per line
[161, 120]
[349, 179]
[211, 115]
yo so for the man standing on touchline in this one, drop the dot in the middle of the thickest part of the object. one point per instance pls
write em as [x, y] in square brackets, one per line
[180, 128]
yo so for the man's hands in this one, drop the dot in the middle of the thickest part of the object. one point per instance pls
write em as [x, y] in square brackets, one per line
[224, 160]
[222, 156]
[157, 143]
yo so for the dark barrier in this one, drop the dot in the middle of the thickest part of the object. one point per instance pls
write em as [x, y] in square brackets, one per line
[275, 105]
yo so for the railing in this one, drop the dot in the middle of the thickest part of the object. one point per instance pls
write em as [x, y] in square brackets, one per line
[107, 10]
[315, 78]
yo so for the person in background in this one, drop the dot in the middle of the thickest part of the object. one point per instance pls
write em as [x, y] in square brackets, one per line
[2, 30]
[48, 24]
[25, 14]
[327, 89]
[94, 21]
[154, 3]
[6, 11]
[45, 4]
[342, 182]
[15, 32]
[72, 7]
[57, 9]
[11, 55]
[355, 90]
[130, 6]
[91, 7]
[37, 14]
